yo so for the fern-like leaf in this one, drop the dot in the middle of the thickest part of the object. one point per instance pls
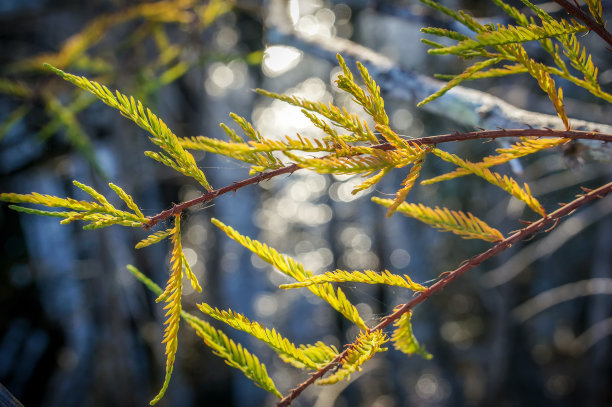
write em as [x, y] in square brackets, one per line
[286, 350]
[234, 354]
[408, 183]
[292, 268]
[175, 155]
[503, 35]
[404, 340]
[460, 223]
[456, 80]
[525, 147]
[504, 182]
[366, 345]
[366, 276]
[172, 296]
[337, 116]
[154, 238]
[99, 213]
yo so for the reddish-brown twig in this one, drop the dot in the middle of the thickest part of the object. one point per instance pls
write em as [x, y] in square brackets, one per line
[444, 138]
[587, 20]
[450, 276]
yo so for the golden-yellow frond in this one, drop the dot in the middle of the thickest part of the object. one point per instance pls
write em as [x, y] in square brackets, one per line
[404, 340]
[527, 145]
[504, 182]
[292, 268]
[99, 213]
[286, 350]
[460, 223]
[366, 345]
[408, 183]
[154, 238]
[172, 297]
[234, 354]
[174, 155]
[365, 276]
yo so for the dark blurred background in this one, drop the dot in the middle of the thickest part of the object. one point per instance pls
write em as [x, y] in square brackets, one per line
[76, 329]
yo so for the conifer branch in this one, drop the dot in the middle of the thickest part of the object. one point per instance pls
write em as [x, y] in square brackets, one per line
[586, 19]
[429, 140]
[451, 276]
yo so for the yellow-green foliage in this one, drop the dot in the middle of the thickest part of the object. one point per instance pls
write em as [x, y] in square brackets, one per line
[525, 147]
[172, 296]
[99, 214]
[504, 182]
[365, 276]
[154, 238]
[460, 223]
[234, 354]
[285, 349]
[365, 346]
[174, 155]
[404, 340]
[408, 183]
[506, 44]
[292, 268]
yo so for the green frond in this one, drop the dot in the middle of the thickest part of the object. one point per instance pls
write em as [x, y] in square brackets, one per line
[404, 340]
[296, 270]
[489, 73]
[456, 80]
[544, 16]
[125, 197]
[161, 135]
[510, 34]
[525, 147]
[195, 284]
[233, 149]
[99, 213]
[234, 354]
[319, 353]
[222, 346]
[408, 183]
[371, 102]
[366, 345]
[366, 276]
[154, 238]
[581, 60]
[596, 10]
[513, 12]
[338, 117]
[443, 32]
[460, 223]
[547, 84]
[286, 350]
[459, 16]
[172, 296]
[504, 182]
[375, 160]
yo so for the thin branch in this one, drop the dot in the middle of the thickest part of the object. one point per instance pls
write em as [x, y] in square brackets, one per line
[209, 196]
[586, 19]
[444, 138]
[450, 276]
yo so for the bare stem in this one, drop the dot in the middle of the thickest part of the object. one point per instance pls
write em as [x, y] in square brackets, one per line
[586, 19]
[444, 138]
[452, 275]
